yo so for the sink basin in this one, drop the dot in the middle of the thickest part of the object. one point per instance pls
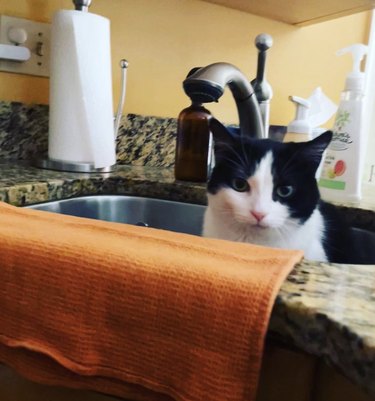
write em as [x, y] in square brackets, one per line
[168, 215]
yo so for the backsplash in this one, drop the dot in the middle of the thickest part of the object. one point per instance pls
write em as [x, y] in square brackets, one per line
[146, 141]
[142, 140]
[23, 131]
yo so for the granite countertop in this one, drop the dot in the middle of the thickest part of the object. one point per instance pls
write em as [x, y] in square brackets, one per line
[324, 309]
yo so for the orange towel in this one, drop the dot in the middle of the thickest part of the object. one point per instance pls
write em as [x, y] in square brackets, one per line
[132, 311]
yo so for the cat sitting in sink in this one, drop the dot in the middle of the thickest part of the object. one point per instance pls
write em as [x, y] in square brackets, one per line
[265, 192]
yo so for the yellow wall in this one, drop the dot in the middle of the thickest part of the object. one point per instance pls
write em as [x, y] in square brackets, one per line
[163, 39]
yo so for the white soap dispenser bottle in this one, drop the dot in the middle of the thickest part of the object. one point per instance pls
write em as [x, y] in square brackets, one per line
[299, 130]
[343, 164]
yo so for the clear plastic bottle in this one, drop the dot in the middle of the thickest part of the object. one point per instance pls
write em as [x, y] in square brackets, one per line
[194, 144]
[343, 164]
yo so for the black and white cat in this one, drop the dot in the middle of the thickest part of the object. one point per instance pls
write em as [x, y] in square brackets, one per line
[265, 192]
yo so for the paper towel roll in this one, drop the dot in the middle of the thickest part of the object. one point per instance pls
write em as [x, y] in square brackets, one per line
[81, 108]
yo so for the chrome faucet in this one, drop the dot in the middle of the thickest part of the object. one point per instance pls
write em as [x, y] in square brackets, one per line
[207, 84]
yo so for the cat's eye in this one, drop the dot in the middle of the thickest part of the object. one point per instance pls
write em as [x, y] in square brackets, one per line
[240, 185]
[285, 191]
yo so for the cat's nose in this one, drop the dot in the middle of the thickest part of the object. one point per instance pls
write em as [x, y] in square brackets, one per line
[259, 216]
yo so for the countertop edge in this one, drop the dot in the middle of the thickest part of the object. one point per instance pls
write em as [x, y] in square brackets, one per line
[298, 317]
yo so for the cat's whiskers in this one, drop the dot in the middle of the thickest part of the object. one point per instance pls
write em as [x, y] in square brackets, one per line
[239, 226]
[278, 230]
[285, 228]
[241, 218]
[235, 220]
[225, 214]
[290, 227]
[224, 211]
[292, 223]
[284, 233]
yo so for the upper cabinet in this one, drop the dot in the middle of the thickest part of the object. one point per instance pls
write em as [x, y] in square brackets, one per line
[298, 12]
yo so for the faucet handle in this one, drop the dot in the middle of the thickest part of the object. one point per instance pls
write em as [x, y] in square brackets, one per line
[263, 42]
[262, 89]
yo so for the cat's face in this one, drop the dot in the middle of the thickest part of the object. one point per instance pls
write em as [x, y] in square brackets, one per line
[263, 183]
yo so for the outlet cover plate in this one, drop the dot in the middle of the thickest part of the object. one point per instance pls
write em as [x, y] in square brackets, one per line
[38, 42]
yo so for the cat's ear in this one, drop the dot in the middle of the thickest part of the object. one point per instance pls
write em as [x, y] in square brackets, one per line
[223, 138]
[313, 150]
[321, 142]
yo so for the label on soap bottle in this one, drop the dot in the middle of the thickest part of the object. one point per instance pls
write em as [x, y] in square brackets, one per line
[335, 165]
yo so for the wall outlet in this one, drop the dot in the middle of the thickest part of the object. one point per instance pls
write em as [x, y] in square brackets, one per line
[33, 35]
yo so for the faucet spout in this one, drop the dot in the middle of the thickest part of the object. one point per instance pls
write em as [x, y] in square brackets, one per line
[207, 85]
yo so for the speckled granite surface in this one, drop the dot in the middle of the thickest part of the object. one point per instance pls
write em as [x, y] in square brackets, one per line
[22, 185]
[23, 130]
[147, 141]
[324, 309]
[328, 310]
[141, 141]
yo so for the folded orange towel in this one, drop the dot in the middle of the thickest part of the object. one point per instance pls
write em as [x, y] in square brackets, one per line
[119, 308]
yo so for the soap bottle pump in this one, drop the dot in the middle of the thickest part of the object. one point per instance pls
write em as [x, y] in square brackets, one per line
[194, 144]
[343, 163]
[300, 129]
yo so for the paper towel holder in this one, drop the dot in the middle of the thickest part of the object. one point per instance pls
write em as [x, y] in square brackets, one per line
[81, 167]
[82, 5]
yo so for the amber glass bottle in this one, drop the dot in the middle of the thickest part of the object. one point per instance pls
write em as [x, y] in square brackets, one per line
[193, 150]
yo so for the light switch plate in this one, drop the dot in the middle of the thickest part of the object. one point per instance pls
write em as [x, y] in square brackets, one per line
[38, 42]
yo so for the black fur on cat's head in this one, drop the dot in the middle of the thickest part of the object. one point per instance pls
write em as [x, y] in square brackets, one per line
[293, 169]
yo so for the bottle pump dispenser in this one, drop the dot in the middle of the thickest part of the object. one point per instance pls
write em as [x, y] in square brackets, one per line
[299, 130]
[355, 79]
[342, 170]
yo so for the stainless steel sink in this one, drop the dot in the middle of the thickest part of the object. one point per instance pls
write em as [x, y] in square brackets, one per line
[168, 215]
